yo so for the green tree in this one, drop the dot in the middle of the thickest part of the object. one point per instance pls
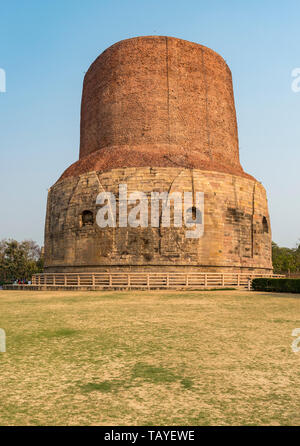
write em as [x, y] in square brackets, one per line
[19, 260]
[285, 260]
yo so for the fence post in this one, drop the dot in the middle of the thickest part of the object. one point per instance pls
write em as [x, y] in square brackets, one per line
[249, 284]
[148, 282]
[205, 280]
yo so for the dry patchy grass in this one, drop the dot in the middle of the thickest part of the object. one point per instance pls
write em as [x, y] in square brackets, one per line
[149, 358]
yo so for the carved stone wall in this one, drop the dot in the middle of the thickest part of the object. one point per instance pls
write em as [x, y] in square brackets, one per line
[235, 237]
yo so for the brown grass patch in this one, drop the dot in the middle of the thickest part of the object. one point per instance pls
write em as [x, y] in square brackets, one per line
[147, 358]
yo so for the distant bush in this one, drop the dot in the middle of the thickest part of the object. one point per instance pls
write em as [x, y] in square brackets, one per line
[277, 285]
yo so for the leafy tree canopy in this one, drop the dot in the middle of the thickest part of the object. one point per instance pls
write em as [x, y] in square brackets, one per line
[286, 260]
[19, 260]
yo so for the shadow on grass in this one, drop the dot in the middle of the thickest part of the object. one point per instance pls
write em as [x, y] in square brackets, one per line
[104, 386]
[140, 374]
[60, 333]
[154, 374]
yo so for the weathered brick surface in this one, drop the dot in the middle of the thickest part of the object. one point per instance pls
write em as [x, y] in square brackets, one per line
[233, 232]
[158, 114]
[161, 102]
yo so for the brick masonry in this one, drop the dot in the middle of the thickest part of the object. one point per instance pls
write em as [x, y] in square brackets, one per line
[158, 114]
[160, 102]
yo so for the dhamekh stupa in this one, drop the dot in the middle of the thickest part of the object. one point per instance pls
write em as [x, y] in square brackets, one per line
[158, 114]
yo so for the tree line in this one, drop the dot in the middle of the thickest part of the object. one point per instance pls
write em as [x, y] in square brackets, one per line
[20, 260]
[286, 260]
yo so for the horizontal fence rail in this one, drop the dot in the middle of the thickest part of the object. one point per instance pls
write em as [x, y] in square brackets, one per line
[143, 280]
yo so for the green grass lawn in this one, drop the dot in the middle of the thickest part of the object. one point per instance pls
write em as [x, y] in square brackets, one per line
[149, 358]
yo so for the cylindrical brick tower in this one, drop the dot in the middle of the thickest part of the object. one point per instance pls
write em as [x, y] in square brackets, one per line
[158, 114]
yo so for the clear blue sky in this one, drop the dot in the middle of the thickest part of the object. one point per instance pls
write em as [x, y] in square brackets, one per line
[46, 46]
